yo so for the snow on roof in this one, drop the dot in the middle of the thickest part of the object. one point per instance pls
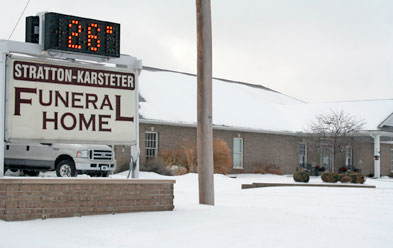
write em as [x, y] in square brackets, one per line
[372, 112]
[171, 97]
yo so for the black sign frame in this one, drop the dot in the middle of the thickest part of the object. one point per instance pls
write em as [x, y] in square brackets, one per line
[81, 35]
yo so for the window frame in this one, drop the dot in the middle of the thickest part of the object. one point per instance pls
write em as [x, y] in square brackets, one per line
[391, 168]
[304, 155]
[327, 153]
[350, 158]
[239, 154]
[153, 149]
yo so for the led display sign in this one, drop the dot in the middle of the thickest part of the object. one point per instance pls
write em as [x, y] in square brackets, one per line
[82, 35]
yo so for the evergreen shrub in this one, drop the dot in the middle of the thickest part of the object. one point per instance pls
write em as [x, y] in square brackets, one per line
[330, 177]
[346, 179]
[356, 177]
[301, 176]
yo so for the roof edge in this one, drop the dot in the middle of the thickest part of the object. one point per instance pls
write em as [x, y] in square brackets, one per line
[219, 127]
[251, 130]
[385, 121]
[257, 86]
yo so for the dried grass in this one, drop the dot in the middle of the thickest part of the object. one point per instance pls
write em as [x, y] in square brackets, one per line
[221, 157]
[267, 168]
[186, 155]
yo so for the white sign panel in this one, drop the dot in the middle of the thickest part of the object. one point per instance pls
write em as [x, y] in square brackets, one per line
[70, 102]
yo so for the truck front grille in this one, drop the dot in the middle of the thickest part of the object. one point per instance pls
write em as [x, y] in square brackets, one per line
[100, 155]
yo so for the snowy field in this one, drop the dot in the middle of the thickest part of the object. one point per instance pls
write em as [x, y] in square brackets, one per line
[262, 217]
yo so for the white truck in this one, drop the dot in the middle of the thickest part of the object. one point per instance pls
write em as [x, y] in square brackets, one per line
[66, 159]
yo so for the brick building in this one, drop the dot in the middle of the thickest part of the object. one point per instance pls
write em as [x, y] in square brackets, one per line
[259, 125]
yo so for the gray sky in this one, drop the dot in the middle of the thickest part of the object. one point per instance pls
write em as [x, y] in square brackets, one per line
[313, 50]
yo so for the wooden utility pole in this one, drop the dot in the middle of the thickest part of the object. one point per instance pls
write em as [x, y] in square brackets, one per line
[204, 102]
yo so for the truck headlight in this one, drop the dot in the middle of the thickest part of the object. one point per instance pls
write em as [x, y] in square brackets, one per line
[81, 154]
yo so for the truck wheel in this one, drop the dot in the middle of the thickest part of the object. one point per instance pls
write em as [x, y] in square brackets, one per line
[66, 168]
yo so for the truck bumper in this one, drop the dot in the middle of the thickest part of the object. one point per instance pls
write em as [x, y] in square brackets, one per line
[93, 166]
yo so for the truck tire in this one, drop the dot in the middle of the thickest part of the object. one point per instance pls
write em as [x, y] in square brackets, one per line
[66, 168]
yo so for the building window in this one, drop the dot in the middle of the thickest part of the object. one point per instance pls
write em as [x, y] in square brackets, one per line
[327, 158]
[151, 144]
[392, 162]
[237, 153]
[302, 155]
[348, 157]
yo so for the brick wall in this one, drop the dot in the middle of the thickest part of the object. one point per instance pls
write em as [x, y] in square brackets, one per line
[278, 149]
[262, 149]
[169, 137]
[25, 199]
[386, 159]
[281, 150]
[363, 155]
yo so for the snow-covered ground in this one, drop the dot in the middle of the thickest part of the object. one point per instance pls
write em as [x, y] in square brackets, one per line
[262, 217]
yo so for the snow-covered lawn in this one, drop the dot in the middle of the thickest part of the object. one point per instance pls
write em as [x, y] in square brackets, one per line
[262, 217]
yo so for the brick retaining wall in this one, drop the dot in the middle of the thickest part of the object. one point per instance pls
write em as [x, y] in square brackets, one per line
[26, 199]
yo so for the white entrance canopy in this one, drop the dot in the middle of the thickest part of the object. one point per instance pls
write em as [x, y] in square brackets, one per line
[377, 147]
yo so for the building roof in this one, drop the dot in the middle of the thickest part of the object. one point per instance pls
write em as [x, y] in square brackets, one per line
[170, 97]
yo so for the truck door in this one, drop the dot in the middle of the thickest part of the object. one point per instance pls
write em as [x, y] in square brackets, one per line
[14, 155]
[40, 156]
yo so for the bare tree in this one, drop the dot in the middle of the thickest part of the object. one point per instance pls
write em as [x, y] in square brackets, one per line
[335, 130]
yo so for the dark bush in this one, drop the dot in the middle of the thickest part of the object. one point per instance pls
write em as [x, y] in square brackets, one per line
[330, 177]
[390, 175]
[340, 175]
[301, 176]
[356, 177]
[346, 179]
[371, 175]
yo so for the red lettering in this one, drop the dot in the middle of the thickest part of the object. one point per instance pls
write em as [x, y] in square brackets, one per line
[106, 102]
[41, 98]
[63, 124]
[76, 100]
[118, 112]
[58, 96]
[92, 122]
[92, 101]
[101, 122]
[45, 120]
[19, 100]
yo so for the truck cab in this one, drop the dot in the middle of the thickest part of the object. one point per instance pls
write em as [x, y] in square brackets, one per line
[67, 160]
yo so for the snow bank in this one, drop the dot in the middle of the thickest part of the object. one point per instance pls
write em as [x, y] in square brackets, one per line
[263, 217]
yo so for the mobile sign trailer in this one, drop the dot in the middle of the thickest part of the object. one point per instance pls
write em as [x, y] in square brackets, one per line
[69, 83]
[67, 98]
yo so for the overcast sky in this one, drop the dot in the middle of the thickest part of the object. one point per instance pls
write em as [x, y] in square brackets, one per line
[313, 50]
